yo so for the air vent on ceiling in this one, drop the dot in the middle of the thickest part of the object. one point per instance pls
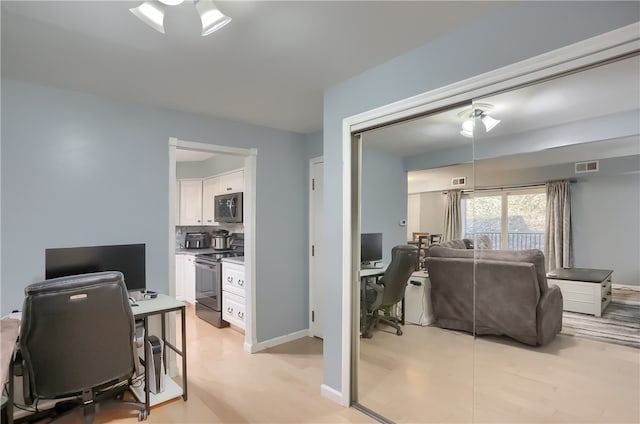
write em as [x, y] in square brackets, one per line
[458, 181]
[589, 166]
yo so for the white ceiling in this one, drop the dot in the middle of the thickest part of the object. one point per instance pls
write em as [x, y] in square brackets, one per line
[183, 155]
[269, 66]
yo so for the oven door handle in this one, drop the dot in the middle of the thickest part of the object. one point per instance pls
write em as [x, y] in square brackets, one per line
[206, 266]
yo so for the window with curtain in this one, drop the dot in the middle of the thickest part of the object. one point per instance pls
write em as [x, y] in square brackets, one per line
[513, 220]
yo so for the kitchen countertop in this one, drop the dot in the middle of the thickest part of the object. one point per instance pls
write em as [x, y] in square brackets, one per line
[183, 251]
[238, 260]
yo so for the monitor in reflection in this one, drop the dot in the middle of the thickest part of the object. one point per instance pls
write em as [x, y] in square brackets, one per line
[371, 250]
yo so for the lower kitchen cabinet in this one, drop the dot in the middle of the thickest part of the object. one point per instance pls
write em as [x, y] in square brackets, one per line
[186, 278]
[233, 294]
[233, 309]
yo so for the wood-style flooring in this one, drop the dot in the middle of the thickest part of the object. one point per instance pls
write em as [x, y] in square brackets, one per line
[435, 375]
[428, 375]
[228, 385]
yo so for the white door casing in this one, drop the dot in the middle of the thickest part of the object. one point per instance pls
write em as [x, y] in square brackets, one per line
[413, 215]
[316, 280]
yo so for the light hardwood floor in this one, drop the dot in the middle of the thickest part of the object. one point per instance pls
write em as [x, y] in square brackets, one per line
[435, 375]
[228, 385]
[428, 375]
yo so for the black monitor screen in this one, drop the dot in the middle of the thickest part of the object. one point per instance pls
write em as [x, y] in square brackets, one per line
[126, 258]
[371, 247]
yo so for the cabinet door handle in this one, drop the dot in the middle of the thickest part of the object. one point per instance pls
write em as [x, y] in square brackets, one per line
[229, 188]
[198, 220]
[230, 310]
[241, 283]
[230, 279]
[208, 220]
[240, 314]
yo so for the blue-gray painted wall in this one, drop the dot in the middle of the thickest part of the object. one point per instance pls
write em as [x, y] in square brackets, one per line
[520, 32]
[384, 198]
[82, 170]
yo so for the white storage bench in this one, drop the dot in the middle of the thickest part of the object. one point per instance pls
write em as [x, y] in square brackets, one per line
[584, 290]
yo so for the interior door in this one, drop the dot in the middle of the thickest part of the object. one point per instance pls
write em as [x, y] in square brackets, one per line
[316, 248]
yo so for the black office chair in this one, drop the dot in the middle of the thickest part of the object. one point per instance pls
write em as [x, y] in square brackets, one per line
[389, 290]
[77, 340]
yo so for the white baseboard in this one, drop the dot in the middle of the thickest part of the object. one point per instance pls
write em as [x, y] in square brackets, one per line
[253, 348]
[334, 395]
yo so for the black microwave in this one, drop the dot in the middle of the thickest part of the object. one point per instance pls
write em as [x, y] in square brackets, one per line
[228, 207]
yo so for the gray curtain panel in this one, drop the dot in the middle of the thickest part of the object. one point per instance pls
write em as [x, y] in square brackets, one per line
[558, 244]
[452, 216]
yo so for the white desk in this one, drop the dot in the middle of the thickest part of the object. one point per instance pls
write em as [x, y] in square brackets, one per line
[161, 305]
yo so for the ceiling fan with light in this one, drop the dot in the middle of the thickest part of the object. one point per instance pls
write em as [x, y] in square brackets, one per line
[152, 13]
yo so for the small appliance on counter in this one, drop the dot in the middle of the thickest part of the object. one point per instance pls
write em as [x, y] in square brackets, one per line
[197, 241]
[220, 239]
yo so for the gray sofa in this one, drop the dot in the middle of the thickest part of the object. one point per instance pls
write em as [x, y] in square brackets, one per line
[512, 297]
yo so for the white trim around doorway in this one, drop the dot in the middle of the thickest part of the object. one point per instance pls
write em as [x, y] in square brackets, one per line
[249, 218]
[593, 50]
[312, 215]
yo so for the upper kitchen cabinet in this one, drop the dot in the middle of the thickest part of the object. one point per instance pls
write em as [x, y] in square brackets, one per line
[231, 183]
[210, 188]
[191, 202]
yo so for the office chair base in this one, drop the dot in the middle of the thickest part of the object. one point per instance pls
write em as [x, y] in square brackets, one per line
[375, 320]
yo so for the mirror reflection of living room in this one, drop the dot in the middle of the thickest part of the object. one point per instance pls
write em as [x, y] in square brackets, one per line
[524, 247]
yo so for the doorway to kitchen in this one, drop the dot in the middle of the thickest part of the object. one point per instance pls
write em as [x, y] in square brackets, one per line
[197, 217]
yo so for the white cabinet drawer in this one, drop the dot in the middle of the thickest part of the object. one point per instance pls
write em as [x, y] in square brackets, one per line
[233, 309]
[233, 278]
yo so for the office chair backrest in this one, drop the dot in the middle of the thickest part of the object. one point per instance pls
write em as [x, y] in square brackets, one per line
[77, 333]
[403, 264]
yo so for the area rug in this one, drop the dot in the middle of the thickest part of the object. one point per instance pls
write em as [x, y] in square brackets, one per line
[620, 322]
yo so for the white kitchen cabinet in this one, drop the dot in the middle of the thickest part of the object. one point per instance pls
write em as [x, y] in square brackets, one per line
[180, 261]
[190, 202]
[233, 309]
[233, 294]
[190, 279]
[210, 187]
[186, 278]
[232, 182]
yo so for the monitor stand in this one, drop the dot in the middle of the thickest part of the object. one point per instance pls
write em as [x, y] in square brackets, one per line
[370, 265]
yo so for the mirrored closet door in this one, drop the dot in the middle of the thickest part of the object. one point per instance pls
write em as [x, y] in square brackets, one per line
[495, 327]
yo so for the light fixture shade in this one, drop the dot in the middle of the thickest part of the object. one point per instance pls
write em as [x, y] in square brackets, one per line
[489, 122]
[151, 13]
[171, 2]
[212, 19]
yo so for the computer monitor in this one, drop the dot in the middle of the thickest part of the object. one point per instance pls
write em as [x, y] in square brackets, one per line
[370, 250]
[126, 258]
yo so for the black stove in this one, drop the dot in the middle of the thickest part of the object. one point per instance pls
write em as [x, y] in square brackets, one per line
[216, 256]
[209, 281]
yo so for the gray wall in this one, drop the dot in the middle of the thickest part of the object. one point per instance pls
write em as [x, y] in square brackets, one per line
[81, 170]
[314, 144]
[525, 30]
[384, 198]
[605, 213]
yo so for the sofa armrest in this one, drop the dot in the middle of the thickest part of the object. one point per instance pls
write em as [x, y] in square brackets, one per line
[549, 313]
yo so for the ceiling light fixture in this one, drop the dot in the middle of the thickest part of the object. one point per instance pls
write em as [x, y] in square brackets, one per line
[152, 13]
[477, 114]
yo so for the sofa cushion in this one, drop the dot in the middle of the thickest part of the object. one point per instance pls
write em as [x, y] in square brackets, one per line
[453, 244]
[533, 256]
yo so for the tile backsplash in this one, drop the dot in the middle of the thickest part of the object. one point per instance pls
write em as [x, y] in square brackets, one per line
[181, 232]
